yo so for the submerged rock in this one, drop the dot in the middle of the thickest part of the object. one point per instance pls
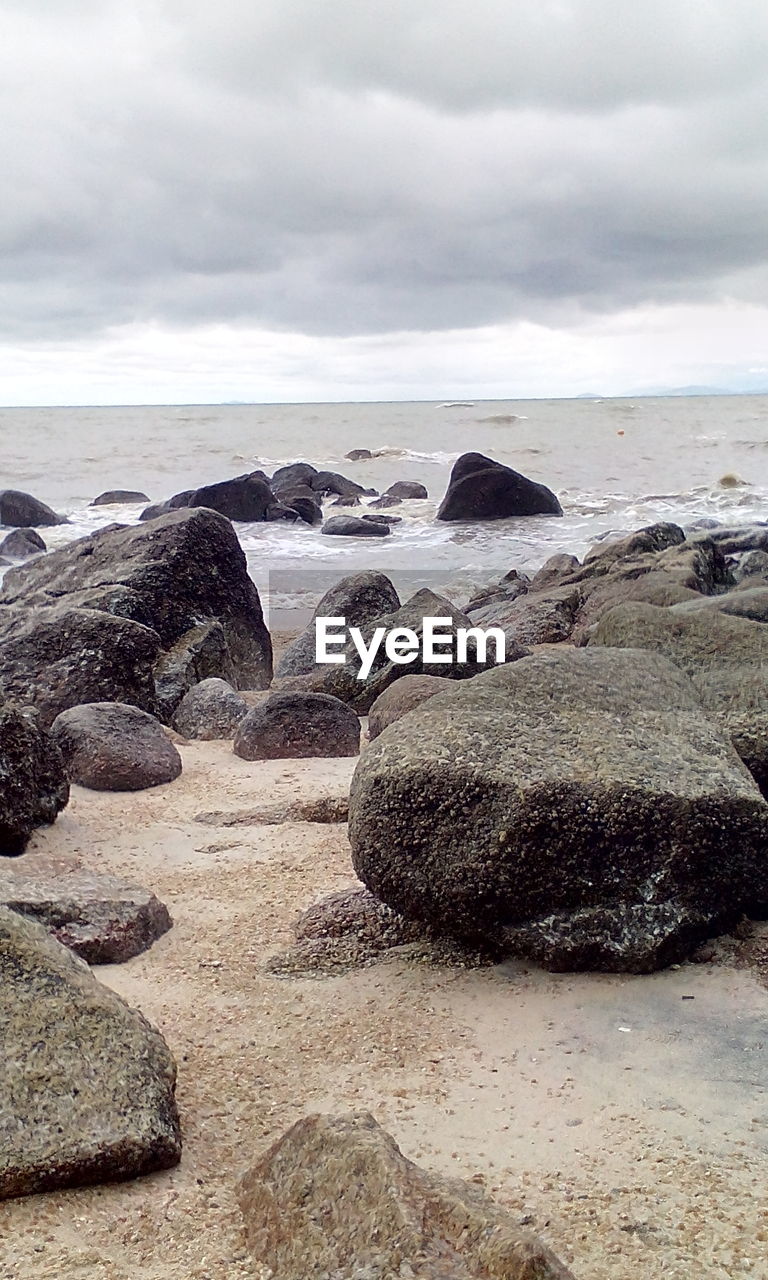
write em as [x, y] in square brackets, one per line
[577, 807]
[33, 782]
[109, 746]
[481, 489]
[335, 1196]
[87, 1085]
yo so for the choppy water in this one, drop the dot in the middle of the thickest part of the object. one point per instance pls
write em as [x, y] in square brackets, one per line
[615, 464]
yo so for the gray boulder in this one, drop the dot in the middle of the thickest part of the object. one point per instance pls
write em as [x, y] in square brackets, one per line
[114, 497]
[33, 782]
[577, 807]
[751, 570]
[21, 544]
[751, 603]
[297, 725]
[171, 574]
[335, 1197]
[22, 511]
[726, 657]
[359, 597]
[87, 1085]
[55, 657]
[200, 654]
[102, 919]
[325, 482]
[481, 489]
[400, 698]
[404, 489]
[354, 527]
[296, 473]
[109, 746]
[212, 709]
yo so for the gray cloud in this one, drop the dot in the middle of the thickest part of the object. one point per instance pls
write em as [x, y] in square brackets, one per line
[347, 168]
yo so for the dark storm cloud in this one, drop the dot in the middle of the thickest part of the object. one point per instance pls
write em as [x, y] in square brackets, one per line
[347, 167]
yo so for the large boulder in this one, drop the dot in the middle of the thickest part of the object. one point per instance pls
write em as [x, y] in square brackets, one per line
[33, 781]
[87, 1085]
[578, 807]
[725, 656]
[751, 603]
[21, 544]
[171, 574]
[54, 657]
[109, 746]
[212, 709]
[102, 919]
[335, 1196]
[481, 489]
[296, 725]
[293, 475]
[200, 654]
[246, 497]
[359, 598]
[22, 511]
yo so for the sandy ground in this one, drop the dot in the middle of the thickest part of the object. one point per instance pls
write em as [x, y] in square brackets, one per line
[624, 1119]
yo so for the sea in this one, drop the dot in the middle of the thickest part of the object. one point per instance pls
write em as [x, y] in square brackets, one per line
[616, 465]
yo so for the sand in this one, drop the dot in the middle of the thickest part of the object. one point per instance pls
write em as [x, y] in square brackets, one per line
[623, 1119]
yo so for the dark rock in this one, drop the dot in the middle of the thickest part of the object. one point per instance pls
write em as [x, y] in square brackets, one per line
[22, 511]
[352, 500]
[752, 603]
[55, 657]
[303, 1220]
[296, 725]
[87, 1084]
[512, 585]
[354, 527]
[545, 617]
[386, 500]
[33, 782]
[406, 489]
[359, 598]
[752, 564]
[278, 511]
[481, 489]
[734, 541]
[296, 473]
[212, 709]
[654, 537]
[177, 503]
[198, 655]
[400, 698]
[21, 544]
[306, 508]
[245, 498]
[613, 828]
[553, 571]
[324, 482]
[388, 520]
[171, 574]
[357, 455]
[726, 657]
[115, 496]
[102, 919]
[109, 746]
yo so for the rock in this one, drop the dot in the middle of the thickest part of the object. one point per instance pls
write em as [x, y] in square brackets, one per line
[359, 597]
[750, 603]
[171, 574]
[22, 511]
[334, 1196]
[295, 725]
[176, 503]
[354, 527]
[56, 657]
[553, 571]
[306, 509]
[357, 455]
[355, 912]
[21, 544]
[578, 807]
[351, 500]
[377, 519]
[406, 489]
[244, 498]
[113, 497]
[386, 500]
[546, 617]
[296, 473]
[109, 746]
[726, 657]
[598, 597]
[280, 512]
[324, 482]
[212, 709]
[102, 919]
[653, 537]
[87, 1084]
[481, 489]
[752, 565]
[732, 541]
[33, 782]
[198, 655]
[400, 698]
[512, 585]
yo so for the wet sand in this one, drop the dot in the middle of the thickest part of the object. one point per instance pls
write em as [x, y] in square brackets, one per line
[625, 1119]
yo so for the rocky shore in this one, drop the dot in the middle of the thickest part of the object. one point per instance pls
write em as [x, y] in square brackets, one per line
[507, 928]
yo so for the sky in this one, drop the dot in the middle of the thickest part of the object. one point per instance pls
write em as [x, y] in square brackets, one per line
[288, 200]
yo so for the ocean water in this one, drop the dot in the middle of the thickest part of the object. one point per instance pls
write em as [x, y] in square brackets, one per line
[615, 464]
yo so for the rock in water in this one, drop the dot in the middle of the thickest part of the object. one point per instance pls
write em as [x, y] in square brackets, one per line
[86, 1084]
[108, 746]
[22, 511]
[171, 574]
[359, 598]
[102, 919]
[118, 496]
[33, 782]
[577, 807]
[354, 527]
[481, 489]
[21, 544]
[296, 725]
[336, 1197]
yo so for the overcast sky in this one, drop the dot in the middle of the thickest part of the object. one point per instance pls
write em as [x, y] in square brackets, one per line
[211, 200]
